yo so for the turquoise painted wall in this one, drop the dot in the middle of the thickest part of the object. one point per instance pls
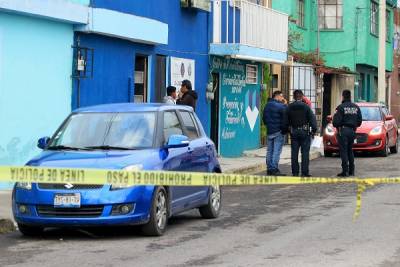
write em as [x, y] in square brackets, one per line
[239, 128]
[35, 83]
[338, 47]
[82, 2]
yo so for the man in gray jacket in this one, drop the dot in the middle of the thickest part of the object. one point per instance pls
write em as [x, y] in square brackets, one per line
[170, 99]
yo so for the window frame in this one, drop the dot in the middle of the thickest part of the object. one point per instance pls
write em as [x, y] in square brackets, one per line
[322, 18]
[165, 141]
[300, 13]
[248, 81]
[186, 131]
[374, 18]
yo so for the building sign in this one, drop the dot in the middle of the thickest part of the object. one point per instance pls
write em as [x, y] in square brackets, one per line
[182, 69]
[198, 4]
[239, 108]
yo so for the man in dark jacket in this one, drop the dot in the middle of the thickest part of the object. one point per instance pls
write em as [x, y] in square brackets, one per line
[303, 126]
[347, 119]
[273, 118]
[187, 96]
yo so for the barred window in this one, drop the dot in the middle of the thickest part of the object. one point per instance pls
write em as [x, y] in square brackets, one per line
[330, 13]
[300, 13]
[374, 18]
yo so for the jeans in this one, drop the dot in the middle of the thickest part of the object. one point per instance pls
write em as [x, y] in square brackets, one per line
[300, 140]
[274, 150]
[346, 140]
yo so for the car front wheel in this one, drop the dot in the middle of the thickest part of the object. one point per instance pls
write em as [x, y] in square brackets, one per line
[385, 151]
[158, 214]
[212, 209]
[394, 149]
[28, 230]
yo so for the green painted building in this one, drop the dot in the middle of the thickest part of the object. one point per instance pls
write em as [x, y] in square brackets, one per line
[346, 34]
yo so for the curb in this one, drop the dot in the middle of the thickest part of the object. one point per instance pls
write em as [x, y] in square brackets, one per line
[260, 167]
[6, 226]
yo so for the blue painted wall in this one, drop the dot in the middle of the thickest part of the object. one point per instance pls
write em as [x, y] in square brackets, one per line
[188, 37]
[35, 83]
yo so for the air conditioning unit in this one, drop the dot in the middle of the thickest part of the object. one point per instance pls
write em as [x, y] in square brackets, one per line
[197, 4]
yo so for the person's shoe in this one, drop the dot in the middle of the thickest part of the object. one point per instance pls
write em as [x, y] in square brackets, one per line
[351, 174]
[343, 174]
[306, 175]
[270, 172]
[295, 174]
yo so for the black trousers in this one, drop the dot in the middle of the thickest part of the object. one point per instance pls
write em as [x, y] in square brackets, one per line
[346, 138]
[301, 140]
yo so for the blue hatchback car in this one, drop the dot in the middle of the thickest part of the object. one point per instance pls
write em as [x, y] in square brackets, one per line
[120, 136]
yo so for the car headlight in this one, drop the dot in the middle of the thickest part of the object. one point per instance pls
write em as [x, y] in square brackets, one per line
[137, 167]
[24, 185]
[329, 130]
[376, 131]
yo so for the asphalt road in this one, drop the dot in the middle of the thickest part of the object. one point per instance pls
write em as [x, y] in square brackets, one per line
[307, 225]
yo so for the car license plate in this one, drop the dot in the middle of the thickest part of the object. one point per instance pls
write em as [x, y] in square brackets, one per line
[67, 200]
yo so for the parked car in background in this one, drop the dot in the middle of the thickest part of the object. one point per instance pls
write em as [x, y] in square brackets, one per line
[125, 137]
[378, 132]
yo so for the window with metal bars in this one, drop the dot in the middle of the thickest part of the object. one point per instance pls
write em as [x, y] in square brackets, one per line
[300, 13]
[330, 13]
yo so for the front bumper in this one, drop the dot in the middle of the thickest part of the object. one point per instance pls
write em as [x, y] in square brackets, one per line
[103, 199]
[372, 144]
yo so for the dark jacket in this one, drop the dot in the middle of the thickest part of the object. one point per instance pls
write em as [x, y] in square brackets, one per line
[273, 118]
[189, 99]
[300, 115]
[347, 114]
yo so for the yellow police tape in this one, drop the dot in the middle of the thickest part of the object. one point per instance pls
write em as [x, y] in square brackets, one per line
[167, 178]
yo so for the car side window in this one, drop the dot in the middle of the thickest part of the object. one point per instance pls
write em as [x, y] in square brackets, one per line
[190, 124]
[385, 111]
[171, 125]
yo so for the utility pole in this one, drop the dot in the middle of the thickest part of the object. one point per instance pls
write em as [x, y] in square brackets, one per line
[382, 53]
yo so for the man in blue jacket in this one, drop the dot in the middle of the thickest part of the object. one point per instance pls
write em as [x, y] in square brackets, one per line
[274, 114]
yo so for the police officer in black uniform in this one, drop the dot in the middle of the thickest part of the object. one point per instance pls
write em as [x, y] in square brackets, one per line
[301, 122]
[347, 119]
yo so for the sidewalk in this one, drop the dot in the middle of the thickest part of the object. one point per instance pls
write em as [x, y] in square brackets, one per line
[6, 223]
[254, 161]
[251, 162]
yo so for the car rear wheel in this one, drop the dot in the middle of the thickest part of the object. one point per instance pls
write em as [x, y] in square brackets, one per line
[394, 149]
[386, 150]
[158, 214]
[28, 230]
[212, 209]
[328, 154]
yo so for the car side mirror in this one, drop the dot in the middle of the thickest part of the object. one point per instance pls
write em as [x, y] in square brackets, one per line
[389, 117]
[329, 118]
[177, 141]
[43, 142]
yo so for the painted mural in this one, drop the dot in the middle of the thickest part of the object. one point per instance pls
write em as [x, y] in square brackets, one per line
[239, 127]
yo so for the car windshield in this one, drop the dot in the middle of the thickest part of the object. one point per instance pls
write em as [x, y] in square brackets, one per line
[371, 113]
[106, 131]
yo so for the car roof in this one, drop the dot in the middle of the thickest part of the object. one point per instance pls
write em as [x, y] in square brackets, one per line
[131, 107]
[369, 104]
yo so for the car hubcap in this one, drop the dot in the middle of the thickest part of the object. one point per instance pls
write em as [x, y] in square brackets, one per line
[216, 197]
[161, 210]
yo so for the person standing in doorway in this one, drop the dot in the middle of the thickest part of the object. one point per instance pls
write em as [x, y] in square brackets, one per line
[346, 120]
[187, 96]
[274, 114]
[170, 98]
[303, 125]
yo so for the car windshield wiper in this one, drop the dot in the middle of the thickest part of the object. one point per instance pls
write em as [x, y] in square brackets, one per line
[61, 147]
[107, 147]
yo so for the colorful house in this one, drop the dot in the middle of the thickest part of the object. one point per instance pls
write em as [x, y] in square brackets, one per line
[35, 71]
[342, 38]
[239, 47]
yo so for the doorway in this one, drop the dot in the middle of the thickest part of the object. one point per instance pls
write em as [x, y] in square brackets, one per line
[326, 104]
[214, 134]
[161, 78]
[141, 83]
